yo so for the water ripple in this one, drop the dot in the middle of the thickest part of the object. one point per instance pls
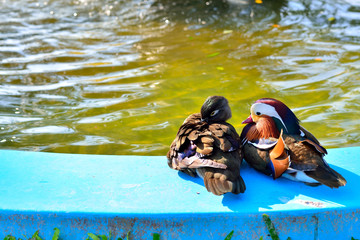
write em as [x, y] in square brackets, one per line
[49, 130]
[125, 113]
[119, 77]
[13, 120]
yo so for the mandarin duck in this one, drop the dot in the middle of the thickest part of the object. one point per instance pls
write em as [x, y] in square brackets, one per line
[275, 144]
[207, 146]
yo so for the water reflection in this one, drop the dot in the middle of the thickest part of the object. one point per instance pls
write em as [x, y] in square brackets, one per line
[218, 12]
[119, 77]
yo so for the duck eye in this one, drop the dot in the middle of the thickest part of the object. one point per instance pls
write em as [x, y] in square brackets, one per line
[213, 113]
[258, 113]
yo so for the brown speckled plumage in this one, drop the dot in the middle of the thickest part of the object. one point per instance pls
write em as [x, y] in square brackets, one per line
[214, 150]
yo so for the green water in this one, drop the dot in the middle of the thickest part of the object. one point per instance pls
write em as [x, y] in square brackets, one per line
[119, 77]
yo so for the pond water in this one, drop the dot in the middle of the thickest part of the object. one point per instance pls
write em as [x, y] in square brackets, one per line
[119, 76]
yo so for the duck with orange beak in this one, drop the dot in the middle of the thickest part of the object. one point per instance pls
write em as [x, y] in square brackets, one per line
[275, 144]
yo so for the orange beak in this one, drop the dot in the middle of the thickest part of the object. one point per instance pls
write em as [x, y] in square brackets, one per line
[248, 120]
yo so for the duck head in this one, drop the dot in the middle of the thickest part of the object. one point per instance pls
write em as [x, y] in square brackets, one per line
[215, 109]
[269, 108]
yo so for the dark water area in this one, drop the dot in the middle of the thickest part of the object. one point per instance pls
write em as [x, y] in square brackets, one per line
[119, 77]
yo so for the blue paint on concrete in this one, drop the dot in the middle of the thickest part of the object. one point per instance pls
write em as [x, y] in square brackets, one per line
[101, 193]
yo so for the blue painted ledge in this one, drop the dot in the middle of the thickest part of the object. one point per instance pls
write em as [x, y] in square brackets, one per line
[99, 193]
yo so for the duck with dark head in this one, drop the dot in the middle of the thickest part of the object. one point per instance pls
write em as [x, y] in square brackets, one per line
[208, 146]
[274, 143]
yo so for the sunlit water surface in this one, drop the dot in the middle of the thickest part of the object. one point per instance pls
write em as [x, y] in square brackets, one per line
[119, 77]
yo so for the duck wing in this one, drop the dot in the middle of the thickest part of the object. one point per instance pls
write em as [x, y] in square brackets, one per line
[306, 156]
[226, 150]
[210, 150]
[191, 144]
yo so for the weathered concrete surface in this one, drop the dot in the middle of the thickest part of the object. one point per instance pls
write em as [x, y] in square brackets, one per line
[98, 194]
